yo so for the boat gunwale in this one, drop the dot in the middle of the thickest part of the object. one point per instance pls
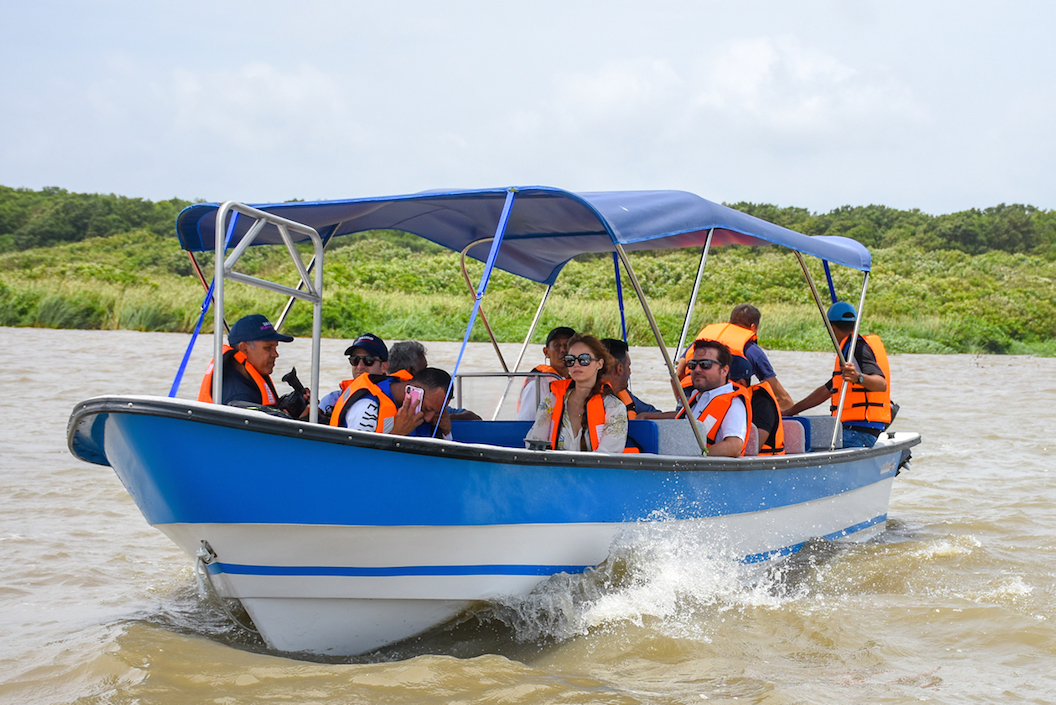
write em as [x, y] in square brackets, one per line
[87, 412]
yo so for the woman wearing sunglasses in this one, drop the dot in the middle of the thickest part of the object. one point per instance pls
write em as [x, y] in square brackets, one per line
[582, 413]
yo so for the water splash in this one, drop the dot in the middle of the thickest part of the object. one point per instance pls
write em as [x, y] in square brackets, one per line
[660, 576]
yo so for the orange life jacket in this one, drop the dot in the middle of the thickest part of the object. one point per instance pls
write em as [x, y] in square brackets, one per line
[732, 336]
[861, 404]
[717, 409]
[268, 395]
[352, 390]
[404, 375]
[775, 444]
[595, 413]
[542, 369]
[628, 402]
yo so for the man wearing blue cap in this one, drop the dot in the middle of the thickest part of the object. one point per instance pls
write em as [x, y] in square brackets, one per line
[249, 360]
[864, 379]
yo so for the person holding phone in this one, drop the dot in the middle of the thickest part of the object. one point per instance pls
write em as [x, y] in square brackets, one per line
[582, 413]
[384, 404]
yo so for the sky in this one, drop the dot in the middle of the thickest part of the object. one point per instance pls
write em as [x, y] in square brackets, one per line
[941, 106]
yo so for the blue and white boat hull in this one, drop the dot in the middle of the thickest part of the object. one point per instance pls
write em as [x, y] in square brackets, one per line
[339, 542]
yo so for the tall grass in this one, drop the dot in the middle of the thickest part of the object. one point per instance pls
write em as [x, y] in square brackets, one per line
[928, 302]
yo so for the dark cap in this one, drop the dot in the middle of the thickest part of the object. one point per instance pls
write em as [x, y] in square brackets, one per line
[374, 346]
[559, 332]
[740, 368]
[254, 327]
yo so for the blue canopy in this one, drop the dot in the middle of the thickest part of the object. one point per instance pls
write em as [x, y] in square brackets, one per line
[547, 226]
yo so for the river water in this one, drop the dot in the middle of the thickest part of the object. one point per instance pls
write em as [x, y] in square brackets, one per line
[956, 603]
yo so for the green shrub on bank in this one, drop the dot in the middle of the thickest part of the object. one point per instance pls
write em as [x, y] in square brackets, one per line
[919, 301]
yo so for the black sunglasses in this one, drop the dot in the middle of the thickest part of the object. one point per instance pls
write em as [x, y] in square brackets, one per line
[706, 364]
[584, 359]
[365, 359]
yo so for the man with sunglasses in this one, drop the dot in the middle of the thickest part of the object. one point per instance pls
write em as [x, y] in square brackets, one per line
[368, 355]
[715, 402]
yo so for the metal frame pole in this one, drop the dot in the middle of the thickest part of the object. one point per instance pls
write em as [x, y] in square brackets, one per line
[854, 341]
[663, 349]
[696, 290]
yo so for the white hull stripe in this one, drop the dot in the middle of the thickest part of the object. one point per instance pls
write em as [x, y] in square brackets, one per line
[497, 569]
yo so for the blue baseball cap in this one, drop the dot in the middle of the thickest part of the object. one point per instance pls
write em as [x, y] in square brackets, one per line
[842, 312]
[254, 327]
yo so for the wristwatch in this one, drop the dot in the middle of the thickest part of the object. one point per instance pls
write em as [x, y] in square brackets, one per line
[861, 379]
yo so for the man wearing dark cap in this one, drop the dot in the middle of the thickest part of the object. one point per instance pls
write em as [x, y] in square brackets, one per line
[766, 417]
[249, 360]
[864, 379]
[368, 353]
[554, 350]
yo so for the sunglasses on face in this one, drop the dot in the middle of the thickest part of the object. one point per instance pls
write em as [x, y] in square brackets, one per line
[584, 360]
[703, 364]
[365, 359]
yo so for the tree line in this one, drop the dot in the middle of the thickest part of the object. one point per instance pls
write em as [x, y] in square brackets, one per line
[53, 216]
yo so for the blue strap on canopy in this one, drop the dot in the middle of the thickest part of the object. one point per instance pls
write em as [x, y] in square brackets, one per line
[489, 266]
[201, 317]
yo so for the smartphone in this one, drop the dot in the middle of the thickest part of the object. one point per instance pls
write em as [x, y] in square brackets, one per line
[413, 395]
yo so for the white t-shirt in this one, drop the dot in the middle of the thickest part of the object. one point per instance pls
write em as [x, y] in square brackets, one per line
[735, 422]
[528, 407]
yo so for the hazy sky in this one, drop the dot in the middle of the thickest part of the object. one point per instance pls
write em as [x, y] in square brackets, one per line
[941, 106]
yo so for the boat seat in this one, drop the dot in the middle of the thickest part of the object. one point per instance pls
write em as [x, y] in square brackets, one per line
[795, 438]
[817, 431]
[510, 434]
[752, 447]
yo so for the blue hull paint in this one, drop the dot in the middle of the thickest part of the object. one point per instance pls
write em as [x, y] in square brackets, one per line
[180, 471]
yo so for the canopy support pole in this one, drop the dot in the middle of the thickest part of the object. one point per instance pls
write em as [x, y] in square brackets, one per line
[619, 295]
[843, 360]
[205, 284]
[524, 349]
[828, 278]
[300, 285]
[473, 292]
[663, 349]
[489, 266]
[821, 306]
[224, 269]
[696, 290]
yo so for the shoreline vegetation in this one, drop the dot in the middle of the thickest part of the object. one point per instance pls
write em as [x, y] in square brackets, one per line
[979, 281]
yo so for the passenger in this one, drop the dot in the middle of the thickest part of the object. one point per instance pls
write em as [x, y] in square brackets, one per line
[249, 360]
[716, 402]
[554, 351]
[407, 358]
[582, 413]
[867, 409]
[367, 354]
[765, 415]
[740, 335]
[620, 377]
[380, 403]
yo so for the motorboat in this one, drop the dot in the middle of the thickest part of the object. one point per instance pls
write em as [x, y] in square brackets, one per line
[339, 542]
